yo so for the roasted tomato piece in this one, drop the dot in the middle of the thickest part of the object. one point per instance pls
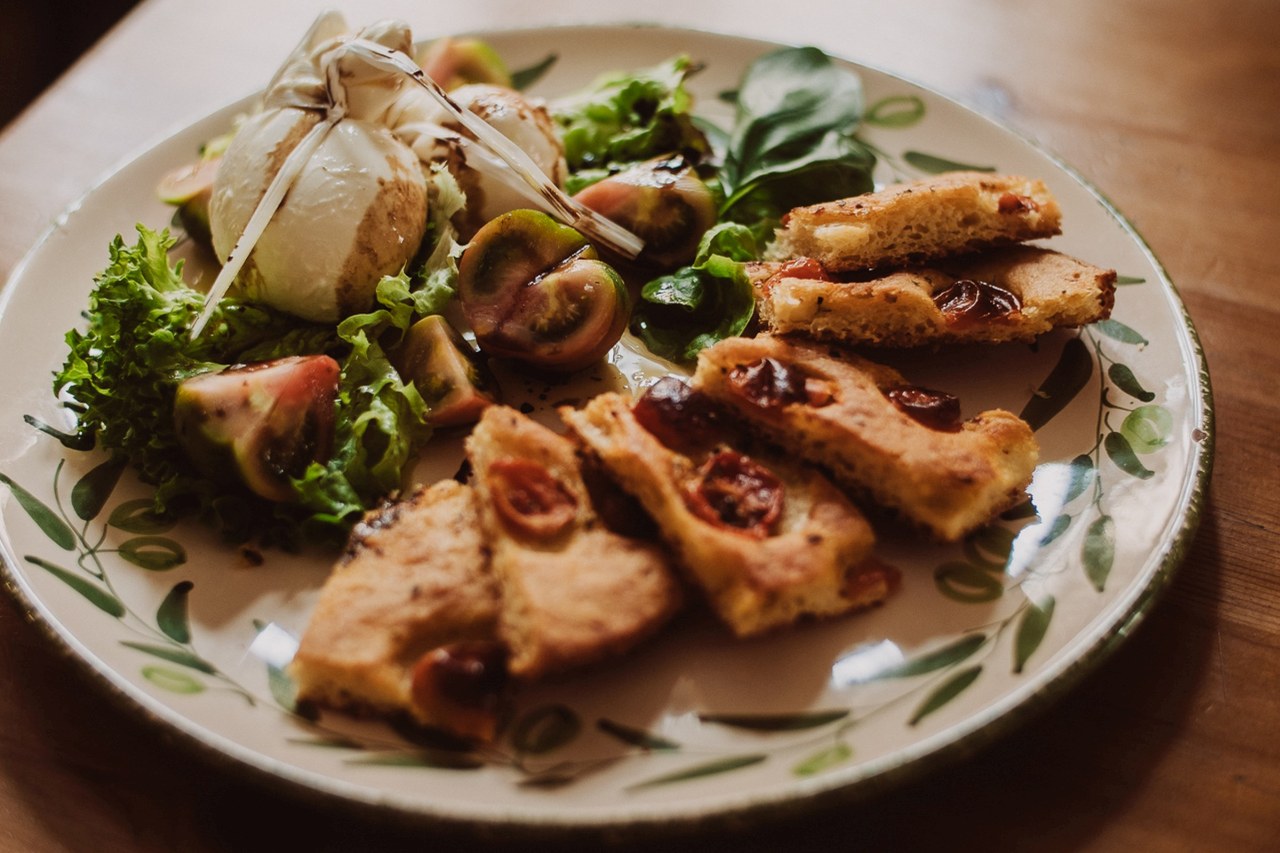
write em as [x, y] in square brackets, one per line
[677, 415]
[772, 384]
[534, 291]
[968, 302]
[461, 688]
[261, 423]
[1014, 203]
[662, 202]
[768, 383]
[934, 409]
[530, 499]
[733, 490]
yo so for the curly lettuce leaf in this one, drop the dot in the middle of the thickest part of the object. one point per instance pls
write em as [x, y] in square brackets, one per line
[625, 118]
[122, 372]
[123, 369]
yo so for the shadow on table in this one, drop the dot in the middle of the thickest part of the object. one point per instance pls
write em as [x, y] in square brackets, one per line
[41, 40]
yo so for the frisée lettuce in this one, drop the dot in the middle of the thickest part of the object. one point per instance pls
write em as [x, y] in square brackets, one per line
[623, 119]
[122, 372]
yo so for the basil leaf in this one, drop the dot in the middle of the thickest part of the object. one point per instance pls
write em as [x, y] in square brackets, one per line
[792, 142]
[681, 314]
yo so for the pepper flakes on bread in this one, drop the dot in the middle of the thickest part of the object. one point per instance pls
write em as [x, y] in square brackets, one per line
[573, 591]
[406, 624]
[951, 214]
[768, 541]
[1015, 293]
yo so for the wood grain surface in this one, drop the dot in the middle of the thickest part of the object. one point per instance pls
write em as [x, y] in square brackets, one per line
[1171, 108]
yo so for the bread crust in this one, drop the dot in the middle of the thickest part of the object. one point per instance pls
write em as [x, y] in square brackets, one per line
[919, 221]
[414, 578]
[582, 593]
[949, 483]
[898, 309]
[815, 564]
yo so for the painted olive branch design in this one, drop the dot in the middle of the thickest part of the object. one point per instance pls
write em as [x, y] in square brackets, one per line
[167, 637]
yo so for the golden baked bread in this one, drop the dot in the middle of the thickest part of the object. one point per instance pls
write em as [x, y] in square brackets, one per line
[413, 580]
[768, 542]
[915, 222]
[573, 592]
[1011, 294]
[904, 447]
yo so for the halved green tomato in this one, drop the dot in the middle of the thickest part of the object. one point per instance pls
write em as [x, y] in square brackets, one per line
[663, 202]
[534, 291]
[190, 189]
[445, 370]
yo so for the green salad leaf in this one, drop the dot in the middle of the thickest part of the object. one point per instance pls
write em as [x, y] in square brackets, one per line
[690, 309]
[122, 372]
[792, 141]
[625, 118]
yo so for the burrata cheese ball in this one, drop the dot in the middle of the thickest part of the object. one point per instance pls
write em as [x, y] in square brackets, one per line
[357, 212]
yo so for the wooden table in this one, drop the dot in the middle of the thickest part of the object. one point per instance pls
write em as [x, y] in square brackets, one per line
[1172, 108]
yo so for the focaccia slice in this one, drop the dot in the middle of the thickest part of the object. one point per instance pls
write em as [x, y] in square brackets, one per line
[1011, 294]
[922, 220]
[903, 446]
[573, 591]
[768, 542]
[412, 591]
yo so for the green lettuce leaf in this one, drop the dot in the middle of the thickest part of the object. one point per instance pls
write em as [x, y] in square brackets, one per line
[682, 313]
[122, 371]
[624, 118]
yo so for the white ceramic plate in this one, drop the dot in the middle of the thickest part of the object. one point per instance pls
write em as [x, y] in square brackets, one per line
[695, 726]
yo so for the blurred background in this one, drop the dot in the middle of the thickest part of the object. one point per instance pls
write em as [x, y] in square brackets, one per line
[39, 40]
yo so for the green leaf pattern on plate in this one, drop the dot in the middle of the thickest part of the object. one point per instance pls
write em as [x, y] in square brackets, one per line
[1147, 428]
[632, 736]
[171, 618]
[153, 553]
[824, 760]
[699, 771]
[896, 112]
[139, 516]
[46, 519]
[91, 491]
[776, 722]
[101, 598]
[945, 692]
[1099, 551]
[523, 78]
[167, 636]
[1122, 377]
[172, 680]
[943, 658]
[968, 582]
[934, 165]
[1032, 627]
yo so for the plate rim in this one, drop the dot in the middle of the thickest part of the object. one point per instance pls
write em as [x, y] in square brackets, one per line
[965, 738]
